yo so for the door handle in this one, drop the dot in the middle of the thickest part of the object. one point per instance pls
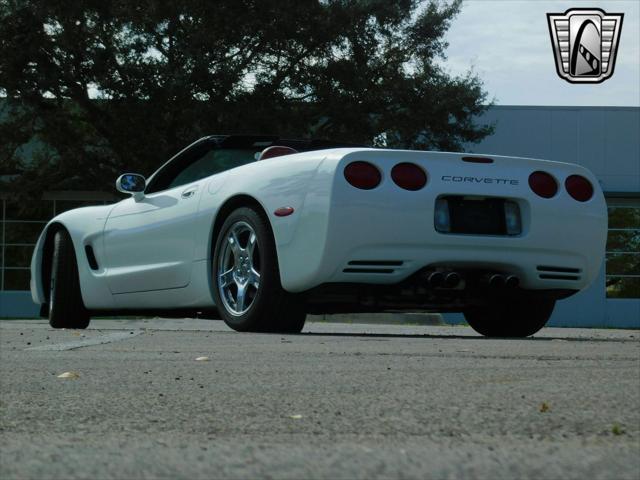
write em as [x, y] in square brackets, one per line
[189, 193]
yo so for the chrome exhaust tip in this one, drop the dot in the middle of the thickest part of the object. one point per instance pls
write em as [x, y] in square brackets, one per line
[496, 280]
[452, 280]
[512, 281]
[435, 279]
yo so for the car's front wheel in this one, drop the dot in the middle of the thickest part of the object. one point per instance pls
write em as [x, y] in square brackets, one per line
[510, 318]
[66, 309]
[247, 287]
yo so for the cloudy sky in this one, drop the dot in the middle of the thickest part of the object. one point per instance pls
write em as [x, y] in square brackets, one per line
[507, 43]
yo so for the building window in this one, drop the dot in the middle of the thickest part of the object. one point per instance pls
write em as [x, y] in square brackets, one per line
[623, 248]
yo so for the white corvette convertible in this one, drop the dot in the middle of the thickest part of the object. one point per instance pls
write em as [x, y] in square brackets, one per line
[260, 231]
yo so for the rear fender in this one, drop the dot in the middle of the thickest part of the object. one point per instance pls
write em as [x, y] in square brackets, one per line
[303, 182]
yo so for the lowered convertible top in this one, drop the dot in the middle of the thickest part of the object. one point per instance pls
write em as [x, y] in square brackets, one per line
[264, 141]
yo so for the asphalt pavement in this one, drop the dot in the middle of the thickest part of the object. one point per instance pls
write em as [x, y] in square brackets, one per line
[136, 399]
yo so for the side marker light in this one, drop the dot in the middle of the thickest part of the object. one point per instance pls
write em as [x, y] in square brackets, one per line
[283, 211]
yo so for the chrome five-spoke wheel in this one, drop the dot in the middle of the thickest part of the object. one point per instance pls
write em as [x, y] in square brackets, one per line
[247, 288]
[238, 268]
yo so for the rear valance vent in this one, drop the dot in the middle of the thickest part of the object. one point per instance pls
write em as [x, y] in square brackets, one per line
[547, 268]
[377, 263]
[372, 266]
[558, 273]
[368, 270]
[548, 276]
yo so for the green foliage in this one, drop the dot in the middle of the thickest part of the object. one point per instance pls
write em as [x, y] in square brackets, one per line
[616, 429]
[623, 251]
[114, 85]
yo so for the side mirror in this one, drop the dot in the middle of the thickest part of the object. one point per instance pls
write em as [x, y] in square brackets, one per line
[131, 183]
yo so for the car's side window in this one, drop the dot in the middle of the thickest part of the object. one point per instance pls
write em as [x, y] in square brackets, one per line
[166, 175]
[163, 179]
[192, 172]
[200, 162]
[214, 161]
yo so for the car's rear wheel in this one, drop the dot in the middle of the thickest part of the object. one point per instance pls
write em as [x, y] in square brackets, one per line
[247, 287]
[66, 309]
[510, 318]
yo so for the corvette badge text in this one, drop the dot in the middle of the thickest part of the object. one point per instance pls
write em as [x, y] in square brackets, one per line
[585, 43]
[499, 181]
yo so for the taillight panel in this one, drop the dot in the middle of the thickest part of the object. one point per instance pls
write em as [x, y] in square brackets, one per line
[543, 184]
[579, 188]
[409, 176]
[362, 175]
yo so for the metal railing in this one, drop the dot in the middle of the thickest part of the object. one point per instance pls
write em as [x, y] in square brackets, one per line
[8, 264]
[5, 263]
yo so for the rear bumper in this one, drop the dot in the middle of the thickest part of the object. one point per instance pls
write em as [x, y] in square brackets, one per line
[385, 235]
[558, 249]
[536, 268]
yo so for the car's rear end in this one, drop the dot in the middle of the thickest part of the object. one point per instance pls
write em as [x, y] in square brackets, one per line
[496, 223]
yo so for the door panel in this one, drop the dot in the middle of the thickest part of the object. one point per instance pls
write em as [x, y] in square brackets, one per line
[149, 244]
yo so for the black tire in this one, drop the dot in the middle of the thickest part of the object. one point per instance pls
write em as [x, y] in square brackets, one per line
[66, 309]
[272, 309]
[510, 319]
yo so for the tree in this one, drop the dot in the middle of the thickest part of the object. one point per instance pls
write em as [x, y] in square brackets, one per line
[96, 87]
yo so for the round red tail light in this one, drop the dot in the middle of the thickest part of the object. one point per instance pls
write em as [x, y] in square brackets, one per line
[579, 188]
[543, 184]
[362, 175]
[409, 176]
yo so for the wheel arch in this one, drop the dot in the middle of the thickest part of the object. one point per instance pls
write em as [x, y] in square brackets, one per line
[231, 204]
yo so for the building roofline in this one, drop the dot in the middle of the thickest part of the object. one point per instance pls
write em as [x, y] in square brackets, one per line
[561, 107]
